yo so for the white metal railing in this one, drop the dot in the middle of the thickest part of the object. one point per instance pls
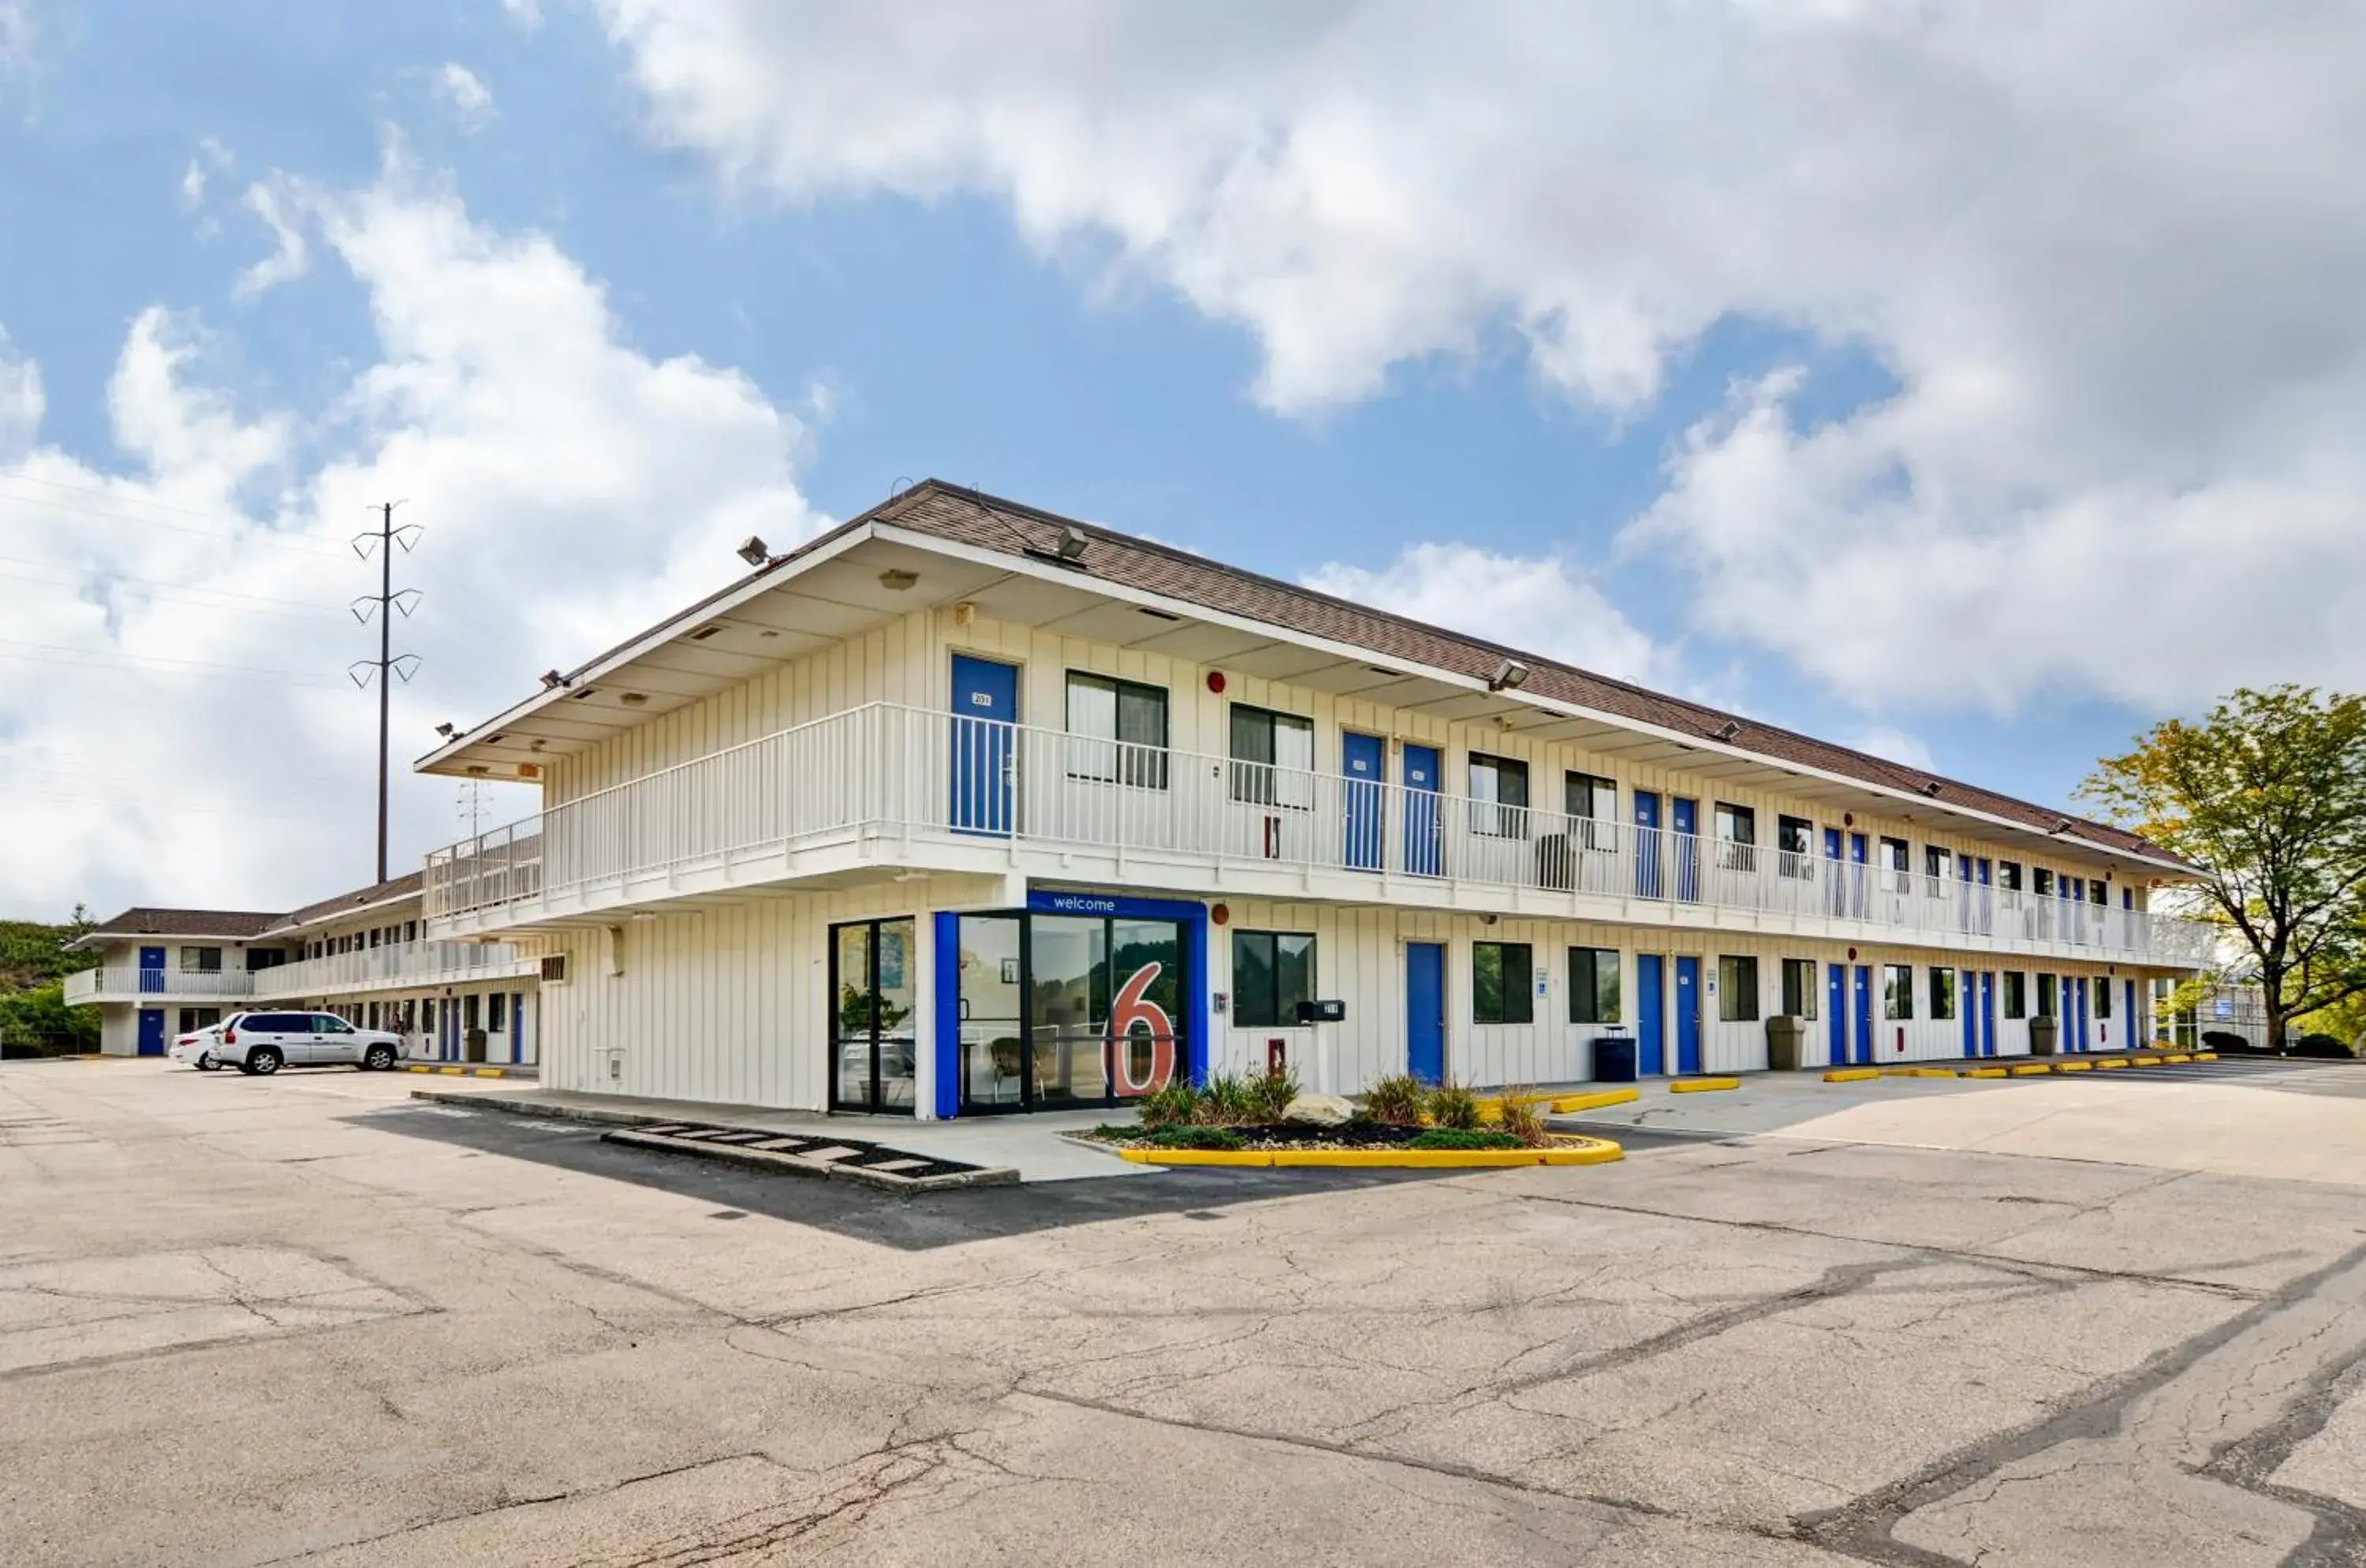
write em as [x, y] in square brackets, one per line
[393, 965]
[889, 769]
[121, 980]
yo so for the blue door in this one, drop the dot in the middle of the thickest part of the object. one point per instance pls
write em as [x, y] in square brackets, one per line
[2135, 1031]
[1425, 1011]
[517, 1028]
[1688, 1015]
[1423, 851]
[1363, 759]
[1835, 898]
[1647, 846]
[1984, 918]
[151, 1032]
[1857, 900]
[1987, 1014]
[1651, 1015]
[1836, 1012]
[1865, 1015]
[2084, 1044]
[1967, 985]
[151, 972]
[1684, 845]
[986, 707]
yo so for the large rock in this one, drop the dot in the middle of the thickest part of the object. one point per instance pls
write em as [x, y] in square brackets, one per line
[1320, 1110]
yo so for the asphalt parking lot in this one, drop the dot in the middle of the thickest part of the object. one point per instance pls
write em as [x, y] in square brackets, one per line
[308, 1320]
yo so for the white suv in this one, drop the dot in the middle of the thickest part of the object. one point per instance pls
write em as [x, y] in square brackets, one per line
[265, 1041]
[198, 1047]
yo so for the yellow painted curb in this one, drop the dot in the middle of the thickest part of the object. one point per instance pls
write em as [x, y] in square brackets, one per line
[1917, 1072]
[2202, 1056]
[2107, 1066]
[2030, 1070]
[454, 1072]
[2145, 1061]
[1594, 1101]
[1582, 1151]
[1852, 1074]
[1984, 1072]
[2181, 1056]
[1702, 1086]
[2074, 1066]
[491, 1073]
[1492, 1108]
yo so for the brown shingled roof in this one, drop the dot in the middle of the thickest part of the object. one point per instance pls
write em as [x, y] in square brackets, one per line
[234, 925]
[972, 517]
[405, 887]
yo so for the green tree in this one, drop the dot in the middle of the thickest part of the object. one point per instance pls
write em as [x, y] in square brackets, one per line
[39, 1022]
[2267, 797]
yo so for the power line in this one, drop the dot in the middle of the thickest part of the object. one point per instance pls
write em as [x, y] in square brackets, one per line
[135, 500]
[388, 664]
[255, 535]
[48, 652]
[148, 588]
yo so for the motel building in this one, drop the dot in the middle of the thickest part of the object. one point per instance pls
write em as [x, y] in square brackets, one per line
[360, 955]
[966, 809]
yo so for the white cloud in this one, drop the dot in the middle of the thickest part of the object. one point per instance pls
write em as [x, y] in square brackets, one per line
[2109, 252]
[1541, 605]
[465, 92]
[568, 485]
[526, 14]
[18, 31]
[1896, 745]
[280, 204]
[211, 158]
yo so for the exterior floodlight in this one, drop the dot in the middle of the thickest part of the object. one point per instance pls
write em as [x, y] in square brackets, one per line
[551, 677]
[1072, 543]
[1510, 674]
[753, 552]
[446, 731]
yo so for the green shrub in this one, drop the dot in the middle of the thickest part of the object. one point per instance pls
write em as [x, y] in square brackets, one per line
[1452, 1105]
[1396, 1100]
[1174, 1105]
[1194, 1138]
[1269, 1094]
[1522, 1119]
[1462, 1138]
[1225, 1101]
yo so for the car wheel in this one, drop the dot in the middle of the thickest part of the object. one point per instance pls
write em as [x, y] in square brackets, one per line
[263, 1060]
[378, 1059]
[206, 1064]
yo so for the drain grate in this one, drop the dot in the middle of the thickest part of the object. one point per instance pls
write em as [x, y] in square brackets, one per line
[878, 1165]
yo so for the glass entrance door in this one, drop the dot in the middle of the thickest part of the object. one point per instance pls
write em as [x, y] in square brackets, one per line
[993, 1009]
[873, 1047]
[1060, 1010]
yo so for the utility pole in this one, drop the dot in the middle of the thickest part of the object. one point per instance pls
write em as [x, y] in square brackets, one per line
[388, 664]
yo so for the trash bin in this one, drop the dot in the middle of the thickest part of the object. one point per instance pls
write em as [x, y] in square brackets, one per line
[1614, 1058]
[2044, 1035]
[1787, 1038]
[475, 1043]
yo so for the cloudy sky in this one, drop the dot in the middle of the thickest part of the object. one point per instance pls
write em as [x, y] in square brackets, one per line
[1972, 383]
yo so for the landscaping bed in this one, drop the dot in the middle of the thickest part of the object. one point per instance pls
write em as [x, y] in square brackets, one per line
[1268, 1115]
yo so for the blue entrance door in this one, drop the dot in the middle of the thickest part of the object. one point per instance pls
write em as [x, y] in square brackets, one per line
[151, 972]
[1363, 760]
[1684, 844]
[1863, 987]
[2136, 1025]
[151, 1032]
[1836, 1012]
[986, 707]
[1835, 897]
[1858, 902]
[1647, 846]
[1987, 1014]
[2084, 1044]
[1423, 851]
[1425, 1011]
[1651, 1015]
[1968, 985]
[1688, 1015]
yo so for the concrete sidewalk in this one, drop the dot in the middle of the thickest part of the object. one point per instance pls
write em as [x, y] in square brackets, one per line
[1033, 1146]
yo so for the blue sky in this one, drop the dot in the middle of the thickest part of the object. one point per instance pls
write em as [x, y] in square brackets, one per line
[918, 323]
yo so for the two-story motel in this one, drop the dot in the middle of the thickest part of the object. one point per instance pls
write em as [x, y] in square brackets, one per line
[166, 971]
[963, 806]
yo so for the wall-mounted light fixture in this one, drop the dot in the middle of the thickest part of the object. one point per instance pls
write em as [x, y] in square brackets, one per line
[753, 551]
[1508, 675]
[1072, 544]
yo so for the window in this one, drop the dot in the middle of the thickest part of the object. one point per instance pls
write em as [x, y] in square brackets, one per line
[1794, 846]
[2096, 896]
[202, 961]
[410, 930]
[1594, 985]
[1272, 973]
[1500, 983]
[2041, 882]
[1594, 800]
[2008, 876]
[376, 933]
[1799, 988]
[1943, 993]
[1120, 729]
[1499, 796]
[470, 1011]
[1934, 866]
[428, 1014]
[1737, 833]
[1273, 753]
[497, 1012]
[1898, 990]
[2102, 998]
[1737, 989]
[2016, 994]
[1894, 860]
[2045, 995]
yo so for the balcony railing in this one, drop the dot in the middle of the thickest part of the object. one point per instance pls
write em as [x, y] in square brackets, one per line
[911, 774]
[422, 964]
[165, 985]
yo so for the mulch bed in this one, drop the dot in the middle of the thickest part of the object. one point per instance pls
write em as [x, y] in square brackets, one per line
[1353, 1135]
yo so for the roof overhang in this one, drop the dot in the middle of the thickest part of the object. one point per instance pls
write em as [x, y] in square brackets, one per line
[850, 582]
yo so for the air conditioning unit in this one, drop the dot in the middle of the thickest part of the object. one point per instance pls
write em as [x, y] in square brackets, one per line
[554, 969]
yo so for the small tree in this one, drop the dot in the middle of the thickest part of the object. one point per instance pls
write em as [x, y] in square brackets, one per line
[2267, 796]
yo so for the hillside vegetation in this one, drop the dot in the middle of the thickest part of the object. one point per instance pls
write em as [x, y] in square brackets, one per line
[34, 962]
